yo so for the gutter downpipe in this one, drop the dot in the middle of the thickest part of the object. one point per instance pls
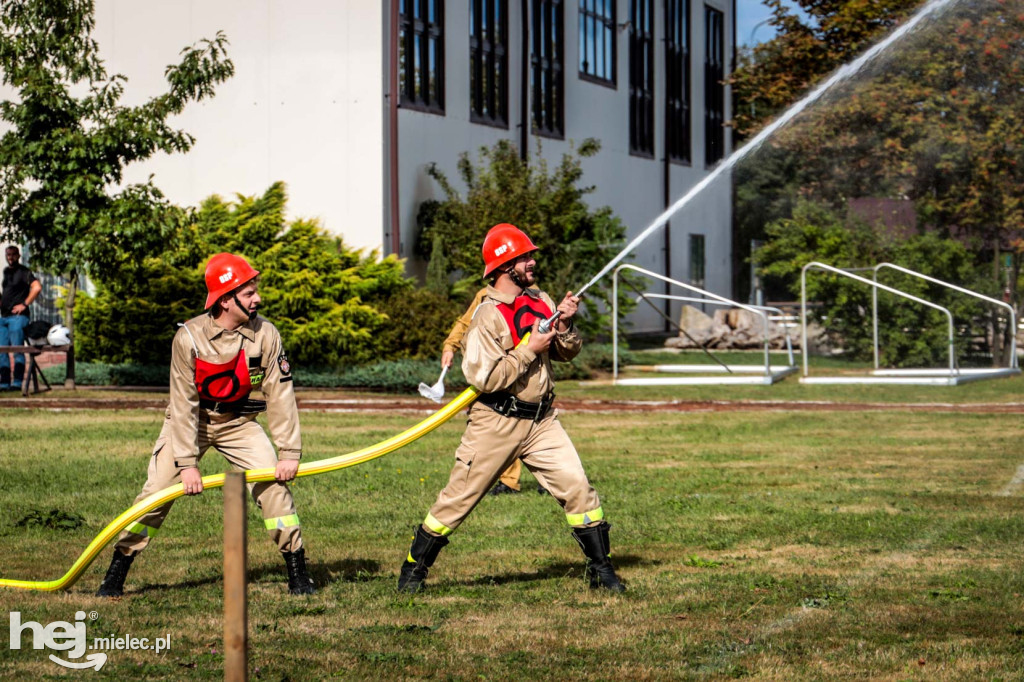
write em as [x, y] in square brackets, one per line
[737, 265]
[524, 104]
[667, 196]
[394, 95]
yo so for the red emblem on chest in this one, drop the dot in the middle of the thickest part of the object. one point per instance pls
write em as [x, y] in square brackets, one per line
[521, 315]
[223, 382]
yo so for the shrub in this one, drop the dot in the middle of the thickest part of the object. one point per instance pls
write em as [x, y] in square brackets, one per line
[575, 241]
[103, 374]
[598, 357]
[418, 323]
[323, 296]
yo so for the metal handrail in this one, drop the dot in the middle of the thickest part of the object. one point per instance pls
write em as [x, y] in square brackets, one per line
[828, 268]
[693, 299]
[688, 287]
[913, 273]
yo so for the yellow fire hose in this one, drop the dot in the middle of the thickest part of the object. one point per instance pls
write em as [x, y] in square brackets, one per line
[166, 495]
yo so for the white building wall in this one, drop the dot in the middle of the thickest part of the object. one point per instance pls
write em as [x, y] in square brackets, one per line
[304, 106]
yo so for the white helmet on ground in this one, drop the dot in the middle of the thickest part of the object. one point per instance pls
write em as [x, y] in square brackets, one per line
[59, 335]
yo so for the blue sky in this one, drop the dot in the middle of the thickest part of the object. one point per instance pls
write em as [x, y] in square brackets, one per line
[748, 14]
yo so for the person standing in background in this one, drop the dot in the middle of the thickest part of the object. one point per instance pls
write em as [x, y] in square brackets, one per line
[20, 288]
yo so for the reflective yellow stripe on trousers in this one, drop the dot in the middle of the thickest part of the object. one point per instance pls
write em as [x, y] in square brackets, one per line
[143, 530]
[585, 518]
[436, 526]
[282, 522]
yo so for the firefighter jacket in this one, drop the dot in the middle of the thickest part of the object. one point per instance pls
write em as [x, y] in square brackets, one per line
[491, 361]
[269, 373]
[458, 332]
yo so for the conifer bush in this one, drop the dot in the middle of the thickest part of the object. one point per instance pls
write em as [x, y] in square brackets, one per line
[324, 296]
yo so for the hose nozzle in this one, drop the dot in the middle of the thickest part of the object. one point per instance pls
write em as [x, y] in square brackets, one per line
[545, 325]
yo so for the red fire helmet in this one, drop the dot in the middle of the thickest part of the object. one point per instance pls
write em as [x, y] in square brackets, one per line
[224, 273]
[503, 243]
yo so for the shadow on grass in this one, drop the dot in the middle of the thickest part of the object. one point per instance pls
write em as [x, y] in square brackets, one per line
[363, 570]
[323, 574]
[344, 571]
[558, 569]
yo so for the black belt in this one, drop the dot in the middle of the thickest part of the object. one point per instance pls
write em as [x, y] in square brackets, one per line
[507, 405]
[244, 406]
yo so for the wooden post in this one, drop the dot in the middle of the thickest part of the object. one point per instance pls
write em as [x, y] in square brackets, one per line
[236, 607]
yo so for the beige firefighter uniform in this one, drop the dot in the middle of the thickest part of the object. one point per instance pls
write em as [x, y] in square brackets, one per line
[192, 426]
[453, 343]
[492, 441]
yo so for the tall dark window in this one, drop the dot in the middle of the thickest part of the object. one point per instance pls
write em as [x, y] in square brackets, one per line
[597, 41]
[697, 256]
[547, 65]
[488, 62]
[677, 80]
[641, 77]
[421, 54]
[714, 89]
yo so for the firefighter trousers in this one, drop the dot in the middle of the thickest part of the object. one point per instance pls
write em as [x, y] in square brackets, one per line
[490, 444]
[510, 476]
[245, 445]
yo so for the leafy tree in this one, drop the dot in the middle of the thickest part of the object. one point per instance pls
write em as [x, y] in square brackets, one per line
[68, 140]
[324, 297]
[938, 124]
[775, 74]
[548, 204]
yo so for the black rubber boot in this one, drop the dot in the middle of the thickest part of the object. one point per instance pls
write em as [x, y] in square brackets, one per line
[502, 489]
[594, 543]
[113, 581]
[299, 581]
[424, 550]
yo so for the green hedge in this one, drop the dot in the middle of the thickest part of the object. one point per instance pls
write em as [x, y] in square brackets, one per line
[103, 374]
[399, 376]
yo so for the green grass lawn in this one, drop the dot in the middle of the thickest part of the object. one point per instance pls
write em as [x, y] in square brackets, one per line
[773, 545]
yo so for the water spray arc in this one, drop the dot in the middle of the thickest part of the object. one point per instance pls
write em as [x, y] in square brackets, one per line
[845, 72]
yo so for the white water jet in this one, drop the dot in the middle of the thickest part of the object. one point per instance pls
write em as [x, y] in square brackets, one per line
[842, 74]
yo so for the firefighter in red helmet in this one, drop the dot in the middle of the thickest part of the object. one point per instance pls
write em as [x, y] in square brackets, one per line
[218, 360]
[514, 418]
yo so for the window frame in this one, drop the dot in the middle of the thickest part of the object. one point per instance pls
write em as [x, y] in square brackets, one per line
[641, 80]
[488, 49]
[698, 259]
[413, 25]
[678, 83]
[603, 24]
[714, 88]
[547, 68]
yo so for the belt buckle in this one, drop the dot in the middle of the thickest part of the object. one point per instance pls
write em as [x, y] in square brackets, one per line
[512, 406]
[543, 407]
